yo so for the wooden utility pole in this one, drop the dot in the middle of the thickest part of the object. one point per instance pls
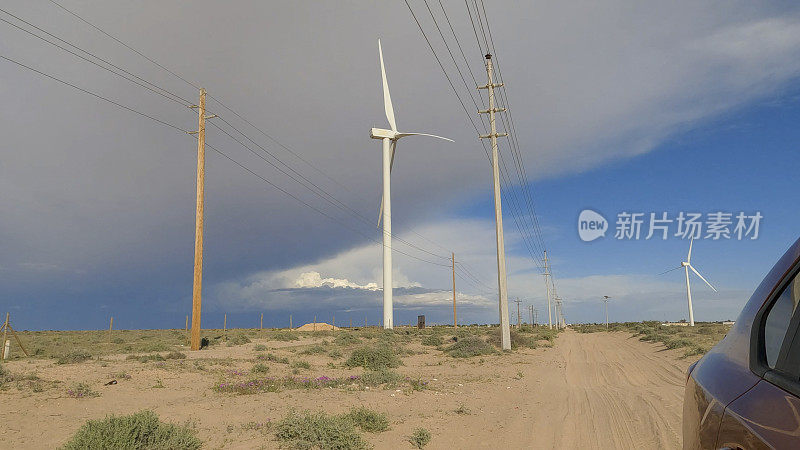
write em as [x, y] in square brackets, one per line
[187, 322]
[225, 325]
[6, 328]
[505, 329]
[290, 321]
[519, 321]
[197, 286]
[110, 327]
[453, 266]
[333, 324]
[315, 323]
[5, 336]
[261, 322]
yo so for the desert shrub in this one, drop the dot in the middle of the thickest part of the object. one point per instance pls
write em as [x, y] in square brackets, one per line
[470, 346]
[146, 358]
[300, 365]
[462, 410]
[695, 350]
[273, 358]
[260, 368]
[284, 336]
[73, 357]
[238, 339]
[142, 430]
[433, 340]
[346, 339]
[81, 390]
[368, 420]
[318, 431]
[517, 340]
[155, 347]
[313, 350]
[374, 358]
[672, 343]
[420, 438]
[260, 348]
[175, 355]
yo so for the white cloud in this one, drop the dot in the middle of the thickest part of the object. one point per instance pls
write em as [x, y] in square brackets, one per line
[314, 279]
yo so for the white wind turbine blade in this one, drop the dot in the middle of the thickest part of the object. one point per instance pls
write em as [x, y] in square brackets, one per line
[701, 277]
[387, 99]
[689, 256]
[670, 270]
[399, 135]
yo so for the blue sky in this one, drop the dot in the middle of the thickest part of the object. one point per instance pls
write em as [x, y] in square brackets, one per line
[662, 107]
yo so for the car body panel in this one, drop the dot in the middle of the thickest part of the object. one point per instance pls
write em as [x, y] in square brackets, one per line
[724, 373]
[764, 417]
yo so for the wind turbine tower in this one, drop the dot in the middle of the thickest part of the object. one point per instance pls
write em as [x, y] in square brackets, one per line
[389, 138]
[687, 265]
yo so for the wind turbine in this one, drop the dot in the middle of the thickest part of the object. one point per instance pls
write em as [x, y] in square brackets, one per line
[389, 138]
[687, 265]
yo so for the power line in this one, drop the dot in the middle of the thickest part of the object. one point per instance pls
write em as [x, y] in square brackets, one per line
[319, 191]
[94, 94]
[125, 45]
[166, 94]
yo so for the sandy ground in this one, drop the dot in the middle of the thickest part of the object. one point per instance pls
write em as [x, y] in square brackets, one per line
[601, 390]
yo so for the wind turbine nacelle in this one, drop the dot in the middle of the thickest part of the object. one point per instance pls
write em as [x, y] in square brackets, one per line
[380, 133]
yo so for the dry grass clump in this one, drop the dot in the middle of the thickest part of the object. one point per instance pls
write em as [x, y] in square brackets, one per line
[75, 356]
[142, 430]
[376, 357]
[317, 430]
[433, 340]
[470, 346]
[420, 438]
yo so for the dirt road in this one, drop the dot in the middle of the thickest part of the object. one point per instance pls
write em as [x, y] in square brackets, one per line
[600, 390]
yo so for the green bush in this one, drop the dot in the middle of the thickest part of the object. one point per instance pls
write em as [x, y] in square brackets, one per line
[260, 368]
[335, 354]
[374, 358]
[146, 358]
[313, 350]
[73, 357]
[301, 365]
[368, 420]
[238, 339]
[284, 336]
[142, 430]
[420, 438]
[468, 347]
[260, 348]
[319, 431]
[346, 339]
[175, 355]
[433, 340]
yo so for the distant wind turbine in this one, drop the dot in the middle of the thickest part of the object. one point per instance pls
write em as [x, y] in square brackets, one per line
[687, 265]
[390, 138]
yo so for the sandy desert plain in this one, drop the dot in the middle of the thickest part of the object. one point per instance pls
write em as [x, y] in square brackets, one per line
[583, 387]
